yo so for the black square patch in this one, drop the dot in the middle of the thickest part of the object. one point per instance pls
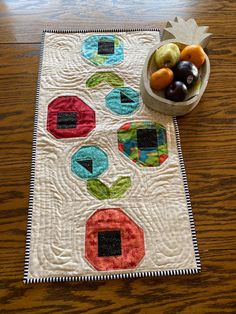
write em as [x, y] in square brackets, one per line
[66, 120]
[109, 243]
[147, 138]
[106, 47]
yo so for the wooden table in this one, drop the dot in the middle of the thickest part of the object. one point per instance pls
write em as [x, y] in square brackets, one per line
[209, 146]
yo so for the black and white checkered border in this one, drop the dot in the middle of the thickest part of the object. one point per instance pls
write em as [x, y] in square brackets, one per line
[115, 276]
[27, 279]
[107, 30]
[187, 195]
[34, 145]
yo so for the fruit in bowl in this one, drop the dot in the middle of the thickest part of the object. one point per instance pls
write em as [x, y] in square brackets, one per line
[182, 76]
[176, 91]
[194, 54]
[186, 72]
[167, 56]
[161, 79]
[191, 40]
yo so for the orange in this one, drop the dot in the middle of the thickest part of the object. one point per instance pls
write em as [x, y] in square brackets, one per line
[194, 54]
[161, 78]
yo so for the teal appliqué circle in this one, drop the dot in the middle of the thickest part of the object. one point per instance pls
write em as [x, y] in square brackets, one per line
[123, 100]
[105, 50]
[89, 162]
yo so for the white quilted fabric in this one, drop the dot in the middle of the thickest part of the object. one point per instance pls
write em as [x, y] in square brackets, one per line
[61, 204]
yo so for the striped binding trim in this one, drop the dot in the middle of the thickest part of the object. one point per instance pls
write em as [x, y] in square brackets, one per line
[111, 30]
[31, 195]
[187, 195]
[115, 276]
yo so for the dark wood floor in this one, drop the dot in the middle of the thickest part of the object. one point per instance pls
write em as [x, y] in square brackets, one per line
[209, 146]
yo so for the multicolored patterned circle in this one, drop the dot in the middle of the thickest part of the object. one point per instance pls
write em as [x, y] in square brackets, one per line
[143, 142]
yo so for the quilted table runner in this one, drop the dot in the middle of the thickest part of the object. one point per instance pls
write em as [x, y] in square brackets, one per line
[109, 196]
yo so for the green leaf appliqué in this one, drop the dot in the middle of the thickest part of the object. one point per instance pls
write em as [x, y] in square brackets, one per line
[101, 191]
[110, 77]
[119, 187]
[98, 189]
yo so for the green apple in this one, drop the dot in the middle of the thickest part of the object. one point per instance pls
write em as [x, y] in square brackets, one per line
[167, 56]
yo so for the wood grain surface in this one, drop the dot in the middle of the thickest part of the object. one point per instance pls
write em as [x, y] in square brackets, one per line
[208, 137]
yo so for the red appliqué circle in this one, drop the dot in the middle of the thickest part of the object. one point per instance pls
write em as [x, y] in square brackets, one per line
[131, 236]
[70, 116]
